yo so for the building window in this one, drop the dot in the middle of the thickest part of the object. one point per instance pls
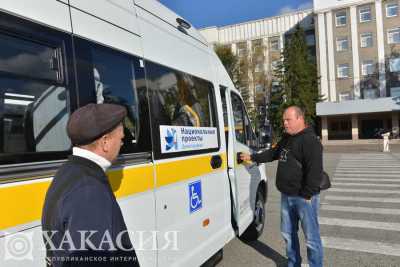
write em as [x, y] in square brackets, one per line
[392, 10]
[275, 45]
[365, 14]
[366, 40]
[394, 36]
[394, 64]
[259, 88]
[258, 67]
[257, 46]
[275, 65]
[256, 43]
[242, 52]
[341, 18]
[367, 68]
[370, 93]
[343, 70]
[275, 86]
[345, 96]
[241, 49]
[310, 39]
[395, 91]
[342, 44]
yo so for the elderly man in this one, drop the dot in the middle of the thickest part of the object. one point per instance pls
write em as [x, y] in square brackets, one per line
[82, 222]
[298, 178]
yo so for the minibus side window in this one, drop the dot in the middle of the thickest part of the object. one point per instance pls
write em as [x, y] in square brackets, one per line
[179, 99]
[34, 103]
[251, 138]
[184, 100]
[238, 115]
[109, 76]
[225, 111]
[243, 130]
[28, 58]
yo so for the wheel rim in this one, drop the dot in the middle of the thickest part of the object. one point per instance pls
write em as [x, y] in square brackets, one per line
[259, 215]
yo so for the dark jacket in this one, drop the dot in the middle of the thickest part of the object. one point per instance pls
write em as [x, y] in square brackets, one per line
[300, 163]
[80, 199]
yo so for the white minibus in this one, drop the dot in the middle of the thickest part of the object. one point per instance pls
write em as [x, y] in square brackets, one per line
[183, 192]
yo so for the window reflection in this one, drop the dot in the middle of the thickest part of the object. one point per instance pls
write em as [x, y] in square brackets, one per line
[33, 108]
[27, 58]
[243, 129]
[238, 119]
[34, 116]
[114, 82]
[110, 76]
[179, 99]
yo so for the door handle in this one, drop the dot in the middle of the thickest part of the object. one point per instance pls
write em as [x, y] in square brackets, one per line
[216, 161]
[238, 160]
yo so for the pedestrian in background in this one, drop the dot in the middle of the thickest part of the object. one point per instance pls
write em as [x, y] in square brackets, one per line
[80, 199]
[298, 179]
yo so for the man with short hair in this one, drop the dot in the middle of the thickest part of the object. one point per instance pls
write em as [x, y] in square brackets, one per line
[82, 222]
[298, 178]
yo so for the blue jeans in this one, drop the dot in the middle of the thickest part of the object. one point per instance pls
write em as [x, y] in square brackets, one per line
[293, 210]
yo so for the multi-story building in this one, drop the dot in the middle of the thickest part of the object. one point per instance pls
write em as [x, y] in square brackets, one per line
[261, 42]
[358, 55]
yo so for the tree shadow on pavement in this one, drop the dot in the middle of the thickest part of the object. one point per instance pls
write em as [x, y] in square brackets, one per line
[269, 253]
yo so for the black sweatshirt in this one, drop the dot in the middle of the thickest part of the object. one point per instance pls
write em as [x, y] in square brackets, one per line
[300, 163]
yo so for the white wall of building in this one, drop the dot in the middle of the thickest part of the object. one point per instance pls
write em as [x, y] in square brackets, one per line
[211, 34]
[256, 29]
[323, 5]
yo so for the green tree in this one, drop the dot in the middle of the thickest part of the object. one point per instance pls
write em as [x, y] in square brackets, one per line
[242, 79]
[261, 81]
[248, 75]
[298, 79]
[237, 68]
[228, 59]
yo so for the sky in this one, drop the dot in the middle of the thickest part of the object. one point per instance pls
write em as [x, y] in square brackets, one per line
[206, 13]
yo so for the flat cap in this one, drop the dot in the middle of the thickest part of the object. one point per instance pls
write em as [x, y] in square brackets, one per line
[92, 121]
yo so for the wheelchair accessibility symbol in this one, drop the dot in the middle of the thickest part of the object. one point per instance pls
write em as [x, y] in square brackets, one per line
[195, 200]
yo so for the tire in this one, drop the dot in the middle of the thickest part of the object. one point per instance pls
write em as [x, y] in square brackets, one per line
[214, 260]
[256, 228]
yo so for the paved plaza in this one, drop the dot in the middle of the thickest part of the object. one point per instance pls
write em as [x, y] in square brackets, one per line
[359, 216]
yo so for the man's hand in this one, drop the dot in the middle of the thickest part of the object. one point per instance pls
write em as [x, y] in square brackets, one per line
[245, 157]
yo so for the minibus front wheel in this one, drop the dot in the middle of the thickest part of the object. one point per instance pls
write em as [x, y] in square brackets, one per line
[256, 228]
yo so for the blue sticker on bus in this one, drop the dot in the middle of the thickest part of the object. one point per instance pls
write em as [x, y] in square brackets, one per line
[195, 197]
